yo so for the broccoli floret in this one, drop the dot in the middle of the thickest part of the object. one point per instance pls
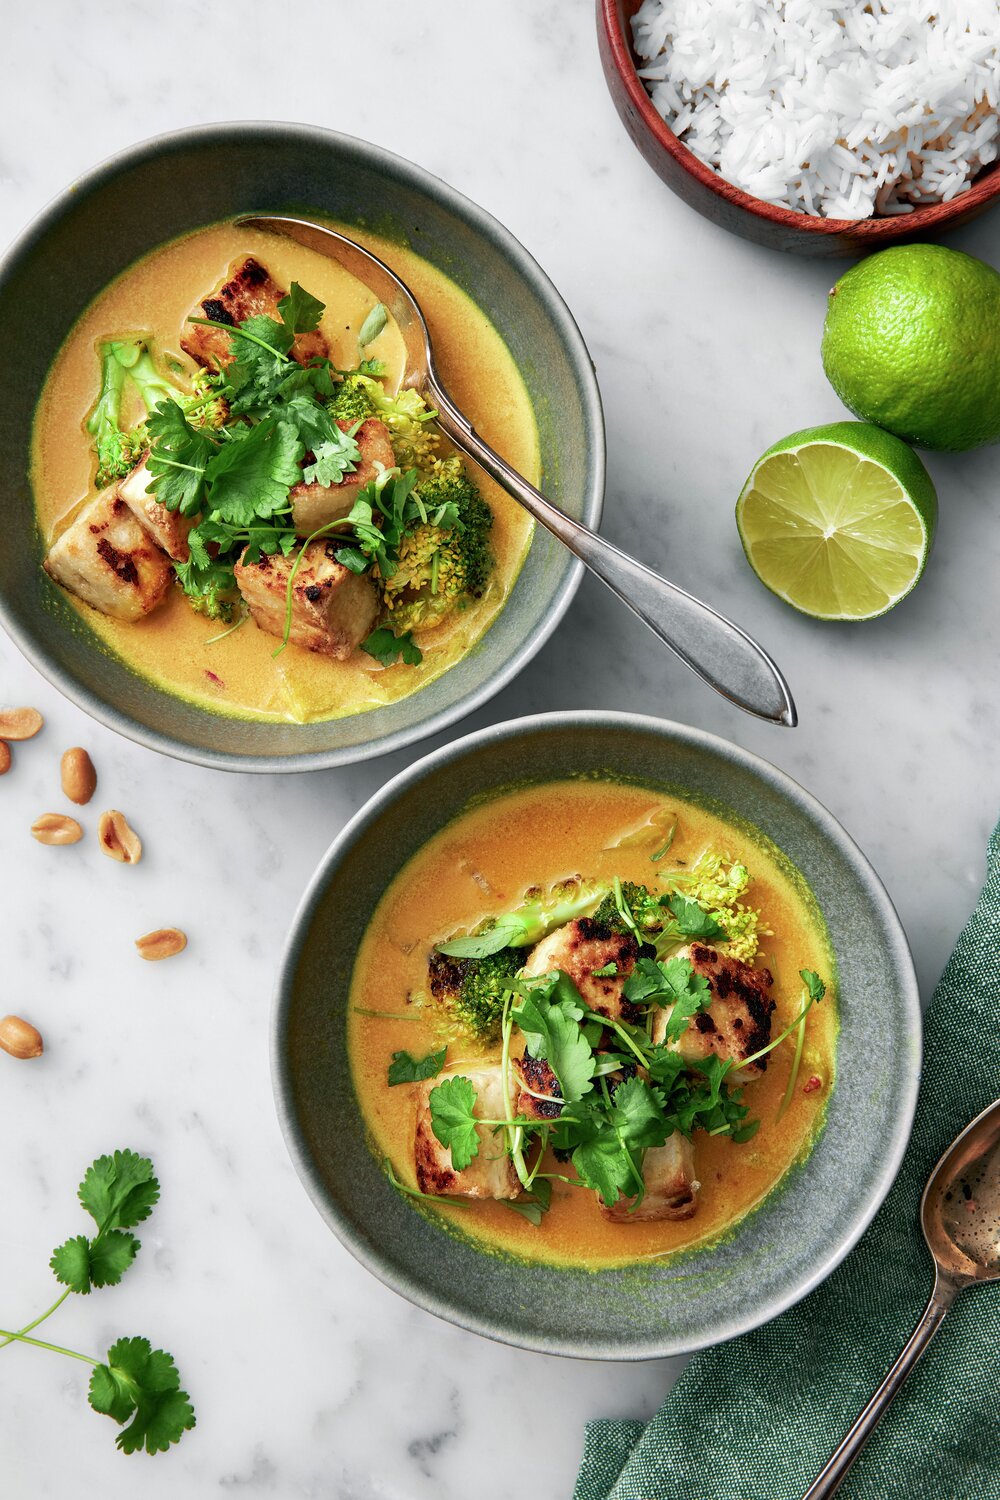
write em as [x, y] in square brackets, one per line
[445, 561]
[644, 905]
[472, 989]
[350, 401]
[117, 451]
[415, 440]
[717, 883]
[533, 920]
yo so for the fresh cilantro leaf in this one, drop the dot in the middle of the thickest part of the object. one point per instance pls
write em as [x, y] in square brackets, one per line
[251, 478]
[387, 647]
[209, 585]
[813, 983]
[332, 459]
[606, 971]
[453, 1121]
[549, 1014]
[673, 984]
[81, 1263]
[372, 326]
[178, 459]
[407, 1069]
[265, 334]
[535, 1203]
[119, 1191]
[692, 920]
[637, 1113]
[351, 557]
[603, 1164]
[300, 311]
[141, 1382]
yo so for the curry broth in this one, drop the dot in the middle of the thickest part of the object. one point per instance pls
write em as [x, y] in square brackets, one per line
[479, 866]
[179, 649]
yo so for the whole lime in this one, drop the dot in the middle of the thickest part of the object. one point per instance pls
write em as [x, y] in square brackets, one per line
[912, 342]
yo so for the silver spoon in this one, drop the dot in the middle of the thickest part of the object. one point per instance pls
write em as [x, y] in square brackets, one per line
[719, 651]
[960, 1217]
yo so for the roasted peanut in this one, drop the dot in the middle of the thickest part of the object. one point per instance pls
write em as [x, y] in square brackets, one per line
[163, 943]
[119, 841]
[56, 828]
[4, 757]
[79, 779]
[20, 1038]
[19, 723]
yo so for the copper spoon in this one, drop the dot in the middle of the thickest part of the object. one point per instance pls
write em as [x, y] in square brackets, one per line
[960, 1217]
[712, 646]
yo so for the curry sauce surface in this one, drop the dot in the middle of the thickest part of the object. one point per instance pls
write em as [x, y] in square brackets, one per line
[178, 648]
[480, 865]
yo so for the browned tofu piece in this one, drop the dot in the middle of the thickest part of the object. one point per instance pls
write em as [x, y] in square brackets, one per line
[106, 559]
[249, 293]
[491, 1174]
[538, 1095]
[578, 949]
[738, 1021]
[671, 1186]
[333, 609]
[316, 505]
[167, 528]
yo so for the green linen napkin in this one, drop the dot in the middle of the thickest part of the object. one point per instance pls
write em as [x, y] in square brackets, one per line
[757, 1418]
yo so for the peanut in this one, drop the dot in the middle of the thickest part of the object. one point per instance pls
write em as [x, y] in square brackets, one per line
[79, 779]
[4, 757]
[19, 1038]
[56, 828]
[119, 841]
[19, 723]
[163, 943]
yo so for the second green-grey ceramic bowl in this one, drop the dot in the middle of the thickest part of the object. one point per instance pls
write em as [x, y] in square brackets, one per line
[778, 1253]
[174, 184]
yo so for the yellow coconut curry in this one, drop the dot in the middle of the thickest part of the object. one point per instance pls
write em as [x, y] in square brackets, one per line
[243, 504]
[592, 1024]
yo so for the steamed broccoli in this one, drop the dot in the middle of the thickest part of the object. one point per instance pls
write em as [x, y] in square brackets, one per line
[531, 921]
[415, 441]
[716, 883]
[350, 401]
[472, 989]
[446, 560]
[117, 451]
[129, 360]
[644, 906]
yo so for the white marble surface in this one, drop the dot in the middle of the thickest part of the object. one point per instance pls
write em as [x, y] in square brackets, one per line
[309, 1377]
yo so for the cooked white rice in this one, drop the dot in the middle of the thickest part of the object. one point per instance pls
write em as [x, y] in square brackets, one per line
[843, 110]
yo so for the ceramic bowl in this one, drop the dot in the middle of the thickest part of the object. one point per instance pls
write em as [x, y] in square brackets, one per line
[763, 223]
[778, 1253]
[174, 184]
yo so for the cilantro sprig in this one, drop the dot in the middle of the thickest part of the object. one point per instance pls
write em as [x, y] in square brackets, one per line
[135, 1384]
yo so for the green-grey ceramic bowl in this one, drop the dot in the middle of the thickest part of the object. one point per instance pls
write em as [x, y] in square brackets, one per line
[174, 184]
[778, 1253]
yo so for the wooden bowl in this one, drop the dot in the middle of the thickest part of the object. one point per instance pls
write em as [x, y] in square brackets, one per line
[717, 200]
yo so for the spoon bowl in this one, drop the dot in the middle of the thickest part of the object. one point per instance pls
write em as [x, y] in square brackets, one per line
[714, 647]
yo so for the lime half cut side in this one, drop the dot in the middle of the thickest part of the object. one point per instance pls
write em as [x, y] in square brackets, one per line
[838, 521]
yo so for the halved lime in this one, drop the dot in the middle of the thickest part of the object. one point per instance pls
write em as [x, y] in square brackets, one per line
[838, 521]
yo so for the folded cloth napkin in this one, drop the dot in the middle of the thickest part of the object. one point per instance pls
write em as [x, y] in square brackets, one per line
[757, 1418]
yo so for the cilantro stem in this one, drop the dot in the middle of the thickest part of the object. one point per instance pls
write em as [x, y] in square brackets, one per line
[593, 1015]
[756, 1056]
[514, 1133]
[241, 333]
[222, 636]
[11, 1337]
[454, 1202]
[7, 1334]
[796, 1064]
[289, 597]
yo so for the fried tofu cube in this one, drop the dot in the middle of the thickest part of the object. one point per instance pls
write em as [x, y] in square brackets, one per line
[737, 1023]
[167, 528]
[671, 1185]
[581, 947]
[491, 1174]
[249, 293]
[106, 559]
[316, 505]
[333, 609]
[539, 1096]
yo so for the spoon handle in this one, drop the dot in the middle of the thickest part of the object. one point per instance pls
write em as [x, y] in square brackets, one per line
[719, 651]
[833, 1475]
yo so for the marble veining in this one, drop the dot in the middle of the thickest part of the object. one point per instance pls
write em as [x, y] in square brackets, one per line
[310, 1378]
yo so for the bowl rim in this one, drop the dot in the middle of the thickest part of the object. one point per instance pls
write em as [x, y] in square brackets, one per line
[410, 1286]
[526, 266]
[927, 217]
